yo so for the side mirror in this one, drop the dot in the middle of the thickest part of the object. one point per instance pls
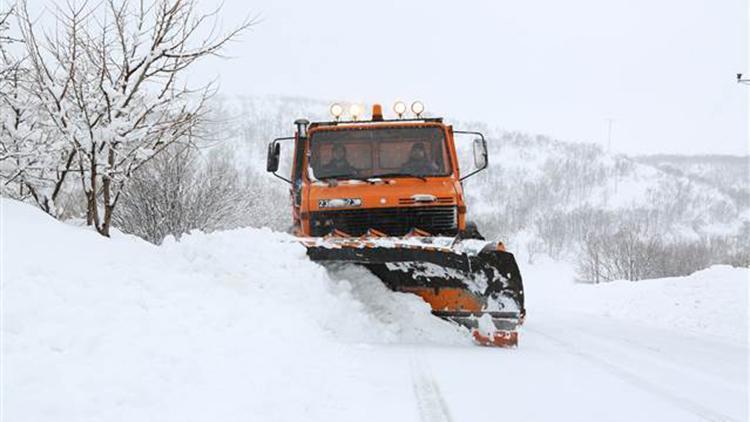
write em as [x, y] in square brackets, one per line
[480, 153]
[479, 149]
[272, 161]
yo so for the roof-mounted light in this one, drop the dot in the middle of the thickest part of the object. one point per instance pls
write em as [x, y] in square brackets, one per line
[400, 108]
[377, 113]
[417, 108]
[336, 111]
[355, 110]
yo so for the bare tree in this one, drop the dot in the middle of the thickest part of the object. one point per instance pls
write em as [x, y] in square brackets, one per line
[5, 38]
[107, 81]
[590, 262]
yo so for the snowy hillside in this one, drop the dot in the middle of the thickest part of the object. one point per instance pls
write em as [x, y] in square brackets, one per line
[721, 170]
[535, 182]
[727, 173]
[546, 197]
[240, 325]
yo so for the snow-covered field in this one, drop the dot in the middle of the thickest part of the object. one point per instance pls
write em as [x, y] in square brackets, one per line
[239, 325]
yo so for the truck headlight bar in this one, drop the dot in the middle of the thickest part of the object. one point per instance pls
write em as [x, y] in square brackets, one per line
[356, 111]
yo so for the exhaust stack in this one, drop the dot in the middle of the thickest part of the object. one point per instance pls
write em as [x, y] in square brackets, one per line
[302, 127]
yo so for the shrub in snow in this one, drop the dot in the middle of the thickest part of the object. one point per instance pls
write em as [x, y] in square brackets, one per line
[186, 189]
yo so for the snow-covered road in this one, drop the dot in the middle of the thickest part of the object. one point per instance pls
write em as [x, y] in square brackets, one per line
[579, 369]
[569, 367]
[240, 326]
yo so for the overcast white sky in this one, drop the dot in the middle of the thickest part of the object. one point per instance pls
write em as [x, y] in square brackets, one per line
[662, 69]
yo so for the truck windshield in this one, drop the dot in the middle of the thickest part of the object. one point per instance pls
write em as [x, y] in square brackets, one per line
[379, 152]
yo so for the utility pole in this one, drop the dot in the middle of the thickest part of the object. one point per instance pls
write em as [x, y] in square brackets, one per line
[609, 135]
[744, 81]
[610, 123]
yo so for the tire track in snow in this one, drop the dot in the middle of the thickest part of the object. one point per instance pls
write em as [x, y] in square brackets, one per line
[430, 402]
[656, 357]
[639, 382]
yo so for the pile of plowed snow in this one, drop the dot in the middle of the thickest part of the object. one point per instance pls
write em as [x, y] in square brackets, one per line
[712, 302]
[207, 328]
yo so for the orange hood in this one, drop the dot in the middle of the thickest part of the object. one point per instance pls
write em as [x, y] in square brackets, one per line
[387, 193]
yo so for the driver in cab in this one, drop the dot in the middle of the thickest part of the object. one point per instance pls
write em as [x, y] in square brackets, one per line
[339, 165]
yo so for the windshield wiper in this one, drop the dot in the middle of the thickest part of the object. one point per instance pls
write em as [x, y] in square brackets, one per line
[342, 176]
[333, 180]
[399, 174]
[338, 177]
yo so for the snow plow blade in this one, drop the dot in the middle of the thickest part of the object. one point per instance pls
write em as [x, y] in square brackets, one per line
[473, 283]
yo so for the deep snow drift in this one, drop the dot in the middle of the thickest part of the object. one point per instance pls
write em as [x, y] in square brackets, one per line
[712, 302]
[240, 325]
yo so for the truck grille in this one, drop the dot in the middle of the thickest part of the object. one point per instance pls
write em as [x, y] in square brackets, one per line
[438, 200]
[391, 221]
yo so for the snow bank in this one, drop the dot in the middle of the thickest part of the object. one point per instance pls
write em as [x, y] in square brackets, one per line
[712, 302]
[208, 328]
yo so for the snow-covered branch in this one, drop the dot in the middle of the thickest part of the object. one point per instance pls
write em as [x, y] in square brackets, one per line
[107, 84]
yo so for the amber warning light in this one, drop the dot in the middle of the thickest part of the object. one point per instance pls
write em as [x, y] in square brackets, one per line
[377, 112]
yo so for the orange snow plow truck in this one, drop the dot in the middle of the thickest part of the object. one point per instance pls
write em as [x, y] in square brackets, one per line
[388, 194]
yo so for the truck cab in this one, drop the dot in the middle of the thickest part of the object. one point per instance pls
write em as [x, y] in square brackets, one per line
[380, 177]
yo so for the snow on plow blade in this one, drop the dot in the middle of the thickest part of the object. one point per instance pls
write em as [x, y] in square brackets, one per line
[469, 282]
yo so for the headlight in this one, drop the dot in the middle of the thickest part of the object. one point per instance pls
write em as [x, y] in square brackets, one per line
[336, 110]
[417, 108]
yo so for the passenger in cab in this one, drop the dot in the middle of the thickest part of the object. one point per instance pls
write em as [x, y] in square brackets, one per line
[418, 162]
